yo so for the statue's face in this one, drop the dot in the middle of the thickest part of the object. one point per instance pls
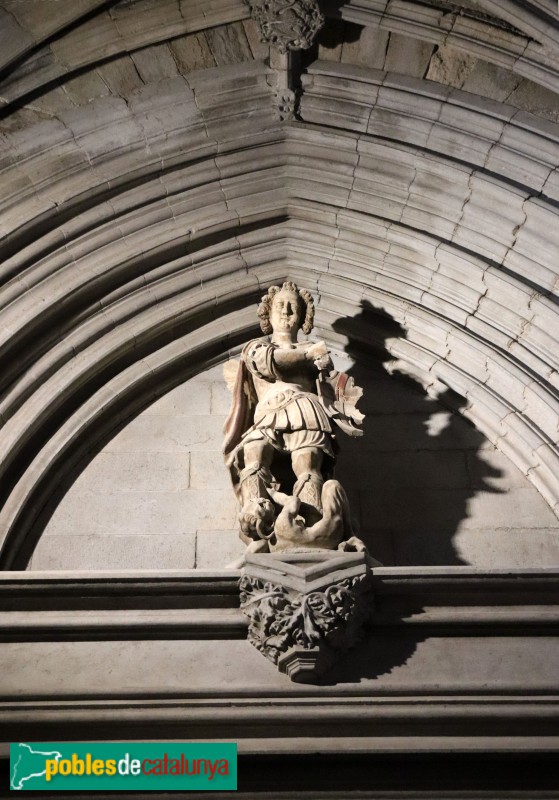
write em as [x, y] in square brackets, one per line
[285, 313]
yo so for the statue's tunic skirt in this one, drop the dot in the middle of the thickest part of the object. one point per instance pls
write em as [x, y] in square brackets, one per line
[290, 418]
[292, 410]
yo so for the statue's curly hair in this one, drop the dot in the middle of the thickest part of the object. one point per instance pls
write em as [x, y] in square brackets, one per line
[306, 317]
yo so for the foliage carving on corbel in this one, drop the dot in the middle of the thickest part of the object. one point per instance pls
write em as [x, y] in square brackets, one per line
[281, 619]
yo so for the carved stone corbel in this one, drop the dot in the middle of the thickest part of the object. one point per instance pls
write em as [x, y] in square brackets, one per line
[287, 24]
[305, 609]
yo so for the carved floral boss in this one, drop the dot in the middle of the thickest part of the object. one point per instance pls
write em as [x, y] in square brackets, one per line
[287, 24]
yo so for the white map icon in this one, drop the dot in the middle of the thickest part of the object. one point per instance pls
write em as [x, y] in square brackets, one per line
[26, 765]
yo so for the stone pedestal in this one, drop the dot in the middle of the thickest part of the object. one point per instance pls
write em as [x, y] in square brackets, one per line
[305, 609]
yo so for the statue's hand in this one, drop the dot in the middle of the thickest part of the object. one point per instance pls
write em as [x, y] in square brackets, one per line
[316, 350]
[318, 353]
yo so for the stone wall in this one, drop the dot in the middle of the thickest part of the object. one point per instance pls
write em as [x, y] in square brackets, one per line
[425, 486]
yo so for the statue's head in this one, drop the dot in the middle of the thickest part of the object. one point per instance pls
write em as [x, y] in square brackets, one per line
[286, 308]
[257, 518]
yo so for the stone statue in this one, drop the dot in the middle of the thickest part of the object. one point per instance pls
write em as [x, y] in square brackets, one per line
[288, 401]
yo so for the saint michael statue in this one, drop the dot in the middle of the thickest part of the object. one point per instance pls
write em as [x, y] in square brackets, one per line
[280, 437]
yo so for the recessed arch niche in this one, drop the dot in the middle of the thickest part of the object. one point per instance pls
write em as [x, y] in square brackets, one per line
[132, 262]
[425, 487]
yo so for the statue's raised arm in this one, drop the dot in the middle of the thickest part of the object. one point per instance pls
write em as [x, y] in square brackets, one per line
[280, 434]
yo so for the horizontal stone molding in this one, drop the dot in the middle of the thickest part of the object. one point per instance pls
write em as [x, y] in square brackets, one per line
[131, 621]
[204, 604]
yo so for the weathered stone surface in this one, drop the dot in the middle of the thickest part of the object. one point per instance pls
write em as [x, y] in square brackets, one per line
[536, 100]
[229, 44]
[491, 81]
[192, 53]
[15, 38]
[87, 87]
[366, 47]
[260, 49]
[155, 63]
[407, 56]
[450, 67]
[121, 76]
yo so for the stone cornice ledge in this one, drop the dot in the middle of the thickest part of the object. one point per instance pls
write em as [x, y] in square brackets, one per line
[452, 659]
[205, 604]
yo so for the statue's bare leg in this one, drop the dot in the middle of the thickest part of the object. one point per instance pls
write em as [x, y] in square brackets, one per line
[307, 466]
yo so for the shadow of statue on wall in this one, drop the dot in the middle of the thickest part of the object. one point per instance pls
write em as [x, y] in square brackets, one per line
[412, 475]
[409, 479]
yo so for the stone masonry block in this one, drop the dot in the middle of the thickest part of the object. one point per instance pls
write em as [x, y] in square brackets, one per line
[422, 469]
[391, 396]
[117, 473]
[368, 50]
[229, 44]
[490, 468]
[120, 551]
[86, 87]
[423, 546]
[519, 548]
[134, 512]
[521, 507]
[220, 398]
[407, 56]
[189, 399]
[217, 549]
[192, 53]
[151, 434]
[207, 470]
[121, 76]
[415, 508]
[212, 509]
[155, 63]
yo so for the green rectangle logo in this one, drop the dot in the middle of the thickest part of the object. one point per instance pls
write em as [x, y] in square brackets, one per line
[128, 766]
